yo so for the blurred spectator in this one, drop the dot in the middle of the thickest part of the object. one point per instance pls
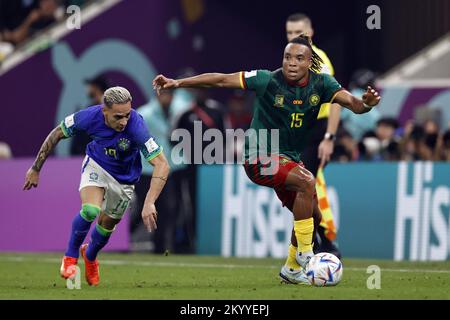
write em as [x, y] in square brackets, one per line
[357, 124]
[446, 146]
[369, 147]
[208, 113]
[385, 130]
[160, 115]
[12, 14]
[341, 154]
[6, 49]
[95, 89]
[431, 127]
[386, 133]
[5, 151]
[28, 17]
[418, 149]
[345, 147]
[238, 117]
[428, 117]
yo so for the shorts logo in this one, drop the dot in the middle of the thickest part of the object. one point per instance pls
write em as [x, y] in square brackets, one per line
[123, 144]
[283, 161]
[279, 100]
[93, 176]
[314, 100]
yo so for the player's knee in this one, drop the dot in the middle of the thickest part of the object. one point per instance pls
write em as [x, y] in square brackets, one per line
[89, 211]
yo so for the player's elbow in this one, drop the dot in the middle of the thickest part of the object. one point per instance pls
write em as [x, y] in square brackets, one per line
[163, 166]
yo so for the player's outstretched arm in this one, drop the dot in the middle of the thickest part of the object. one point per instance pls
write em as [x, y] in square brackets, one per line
[161, 170]
[32, 176]
[205, 80]
[369, 99]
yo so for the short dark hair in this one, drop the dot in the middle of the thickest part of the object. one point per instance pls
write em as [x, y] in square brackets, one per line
[298, 17]
[316, 60]
[100, 82]
[390, 122]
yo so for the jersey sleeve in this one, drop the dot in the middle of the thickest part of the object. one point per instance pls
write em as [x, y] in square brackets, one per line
[331, 87]
[147, 144]
[76, 122]
[256, 80]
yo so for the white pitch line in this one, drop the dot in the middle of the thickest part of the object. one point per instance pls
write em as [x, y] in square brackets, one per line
[196, 265]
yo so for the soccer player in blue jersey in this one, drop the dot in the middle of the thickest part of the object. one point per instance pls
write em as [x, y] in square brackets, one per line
[109, 171]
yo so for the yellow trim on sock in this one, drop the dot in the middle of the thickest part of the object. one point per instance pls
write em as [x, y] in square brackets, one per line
[304, 233]
[291, 261]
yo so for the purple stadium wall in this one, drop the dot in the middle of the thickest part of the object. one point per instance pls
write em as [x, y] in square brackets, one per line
[40, 219]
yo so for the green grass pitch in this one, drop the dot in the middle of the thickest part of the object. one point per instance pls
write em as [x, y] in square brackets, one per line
[146, 276]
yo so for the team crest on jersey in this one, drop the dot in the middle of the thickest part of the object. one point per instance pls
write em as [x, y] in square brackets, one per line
[279, 100]
[314, 100]
[93, 176]
[123, 144]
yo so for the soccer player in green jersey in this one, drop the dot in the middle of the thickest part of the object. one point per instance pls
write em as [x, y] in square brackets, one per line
[287, 100]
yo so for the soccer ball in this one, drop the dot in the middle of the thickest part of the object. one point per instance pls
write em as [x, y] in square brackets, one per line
[324, 269]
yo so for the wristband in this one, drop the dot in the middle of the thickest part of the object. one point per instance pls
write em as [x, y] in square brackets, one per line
[367, 106]
[330, 136]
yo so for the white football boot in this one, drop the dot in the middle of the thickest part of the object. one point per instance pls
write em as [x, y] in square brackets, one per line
[303, 259]
[291, 276]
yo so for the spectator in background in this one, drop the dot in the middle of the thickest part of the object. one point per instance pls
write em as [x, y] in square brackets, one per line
[95, 89]
[385, 130]
[238, 117]
[12, 15]
[354, 124]
[381, 144]
[40, 15]
[386, 133]
[431, 127]
[417, 148]
[369, 147]
[446, 146]
[5, 151]
[160, 115]
[346, 147]
[207, 112]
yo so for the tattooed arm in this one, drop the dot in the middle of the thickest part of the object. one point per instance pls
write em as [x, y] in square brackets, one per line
[32, 176]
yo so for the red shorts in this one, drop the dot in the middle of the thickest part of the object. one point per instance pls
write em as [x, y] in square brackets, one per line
[261, 174]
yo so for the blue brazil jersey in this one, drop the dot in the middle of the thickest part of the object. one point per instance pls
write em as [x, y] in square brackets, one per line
[116, 152]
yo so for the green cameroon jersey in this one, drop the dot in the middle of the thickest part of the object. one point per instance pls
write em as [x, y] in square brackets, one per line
[290, 108]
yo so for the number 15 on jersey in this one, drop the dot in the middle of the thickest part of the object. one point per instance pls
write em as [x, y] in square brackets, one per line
[297, 119]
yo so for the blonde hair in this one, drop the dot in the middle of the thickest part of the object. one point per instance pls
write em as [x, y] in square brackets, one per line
[116, 95]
